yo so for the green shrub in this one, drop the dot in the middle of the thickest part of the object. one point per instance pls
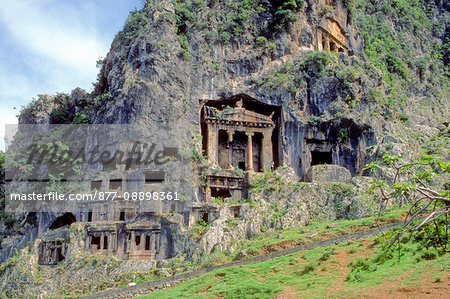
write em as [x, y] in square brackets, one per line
[352, 251]
[403, 117]
[361, 264]
[8, 219]
[214, 259]
[314, 120]
[238, 172]
[133, 26]
[343, 134]
[354, 277]
[218, 200]
[184, 44]
[295, 76]
[326, 255]
[422, 65]
[285, 12]
[262, 42]
[9, 263]
[373, 95]
[199, 229]
[61, 114]
[396, 65]
[305, 270]
[429, 254]
[316, 62]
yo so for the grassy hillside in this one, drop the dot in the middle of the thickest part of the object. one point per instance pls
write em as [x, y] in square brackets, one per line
[353, 269]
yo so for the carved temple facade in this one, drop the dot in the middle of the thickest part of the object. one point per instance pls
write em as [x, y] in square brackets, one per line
[239, 134]
[334, 32]
[140, 240]
[239, 138]
[52, 252]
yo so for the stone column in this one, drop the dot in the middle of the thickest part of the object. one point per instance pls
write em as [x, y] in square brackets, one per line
[155, 242]
[326, 42]
[142, 243]
[266, 152]
[133, 241]
[150, 235]
[152, 241]
[102, 241]
[230, 150]
[212, 142]
[249, 151]
[208, 193]
[112, 242]
[52, 255]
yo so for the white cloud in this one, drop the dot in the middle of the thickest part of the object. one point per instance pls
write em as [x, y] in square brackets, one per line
[51, 46]
[9, 90]
[56, 35]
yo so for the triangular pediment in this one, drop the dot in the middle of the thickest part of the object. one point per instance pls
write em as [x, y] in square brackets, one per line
[239, 115]
[143, 224]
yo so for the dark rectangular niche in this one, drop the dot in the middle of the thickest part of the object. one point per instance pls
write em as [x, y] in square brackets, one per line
[96, 185]
[171, 152]
[320, 158]
[147, 242]
[154, 177]
[115, 184]
[96, 241]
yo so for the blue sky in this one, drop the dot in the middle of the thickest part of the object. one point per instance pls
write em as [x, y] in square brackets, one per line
[49, 46]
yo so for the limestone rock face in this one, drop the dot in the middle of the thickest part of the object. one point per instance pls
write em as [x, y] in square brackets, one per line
[156, 81]
[328, 173]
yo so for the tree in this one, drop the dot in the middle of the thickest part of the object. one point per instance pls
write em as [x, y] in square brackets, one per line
[414, 185]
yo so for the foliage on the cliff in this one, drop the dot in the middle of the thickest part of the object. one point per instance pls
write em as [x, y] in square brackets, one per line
[408, 43]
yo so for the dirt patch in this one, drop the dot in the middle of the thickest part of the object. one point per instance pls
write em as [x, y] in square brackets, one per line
[427, 289]
[219, 277]
[205, 289]
[342, 267]
[288, 293]
[403, 217]
[280, 246]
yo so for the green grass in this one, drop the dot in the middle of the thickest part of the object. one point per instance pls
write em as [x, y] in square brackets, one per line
[291, 237]
[318, 273]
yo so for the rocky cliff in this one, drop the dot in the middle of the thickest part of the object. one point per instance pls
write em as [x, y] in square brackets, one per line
[368, 77]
